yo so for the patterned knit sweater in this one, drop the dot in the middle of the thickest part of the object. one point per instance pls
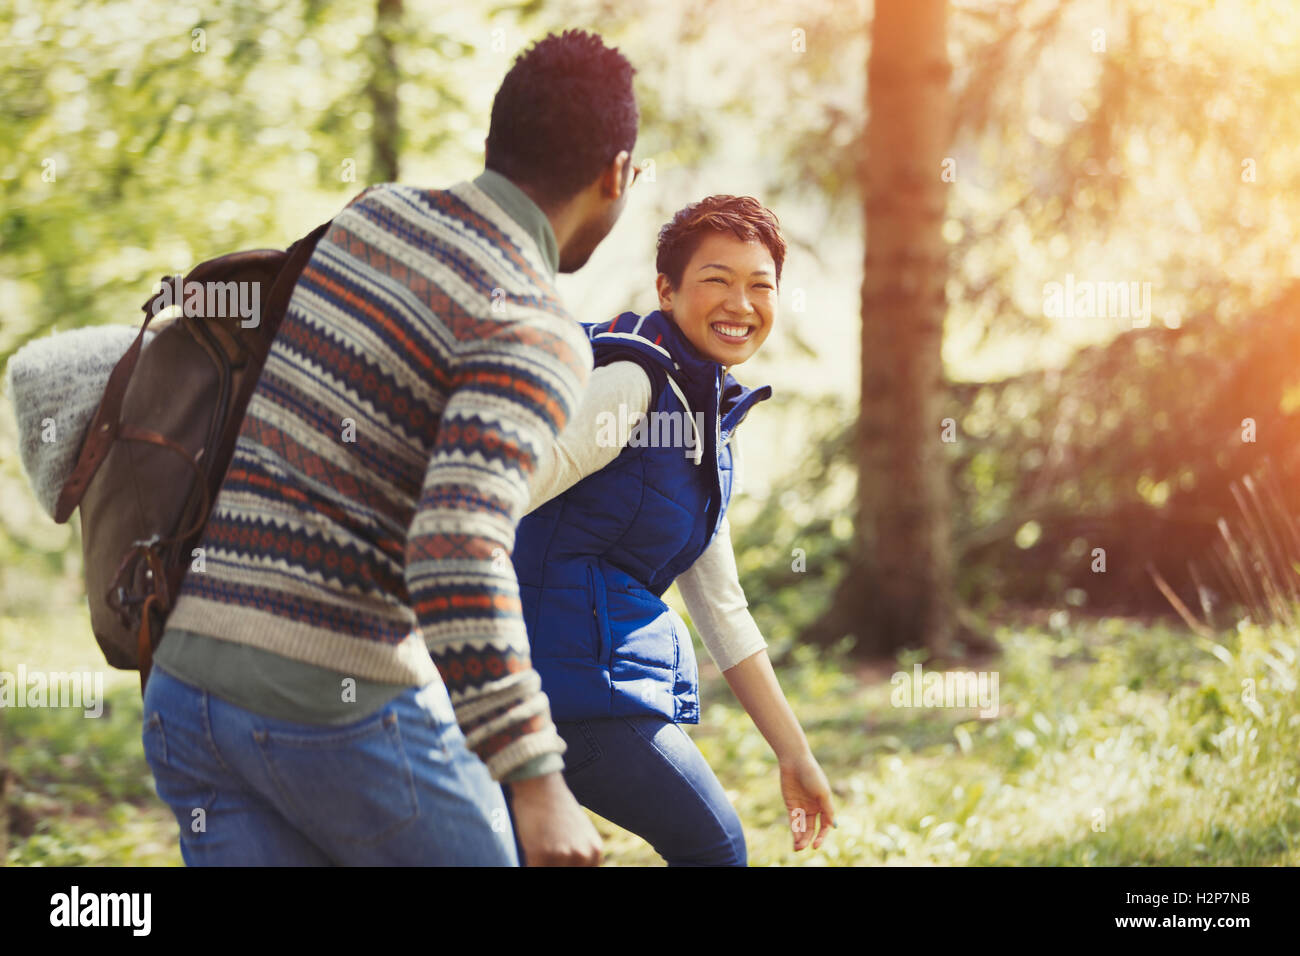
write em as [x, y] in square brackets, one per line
[424, 364]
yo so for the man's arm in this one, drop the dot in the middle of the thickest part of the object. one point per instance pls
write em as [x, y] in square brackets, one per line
[510, 395]
[576, 453]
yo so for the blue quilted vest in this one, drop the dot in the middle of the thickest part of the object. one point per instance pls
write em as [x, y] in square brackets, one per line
[594, 562]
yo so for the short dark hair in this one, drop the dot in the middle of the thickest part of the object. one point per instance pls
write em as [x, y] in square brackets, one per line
[742, 216]
[565, 109]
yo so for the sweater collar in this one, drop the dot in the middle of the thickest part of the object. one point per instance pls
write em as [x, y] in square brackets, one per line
[525, 212]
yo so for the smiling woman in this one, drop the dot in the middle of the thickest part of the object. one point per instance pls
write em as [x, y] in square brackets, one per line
[719, 264]
[615, 522]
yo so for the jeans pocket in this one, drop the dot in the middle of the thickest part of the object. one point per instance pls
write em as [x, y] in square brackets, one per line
[353, 784]
[155, 741]
[189, 796]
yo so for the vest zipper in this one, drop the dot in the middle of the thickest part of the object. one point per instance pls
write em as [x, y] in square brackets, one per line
[595, 613]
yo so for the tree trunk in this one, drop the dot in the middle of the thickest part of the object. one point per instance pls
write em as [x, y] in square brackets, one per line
[898, 592]
[382, 92]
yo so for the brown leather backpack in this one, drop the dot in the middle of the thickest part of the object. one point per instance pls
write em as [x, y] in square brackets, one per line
[159, 444]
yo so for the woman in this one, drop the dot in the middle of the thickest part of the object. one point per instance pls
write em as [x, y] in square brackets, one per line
[634, 497]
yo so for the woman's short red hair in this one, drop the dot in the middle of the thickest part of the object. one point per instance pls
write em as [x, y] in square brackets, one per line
[742, 216]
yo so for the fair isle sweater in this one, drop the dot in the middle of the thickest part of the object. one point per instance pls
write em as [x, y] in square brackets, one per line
[423, 366]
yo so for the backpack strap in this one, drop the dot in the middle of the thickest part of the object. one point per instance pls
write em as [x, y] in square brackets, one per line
[102, 430]
[105, 426]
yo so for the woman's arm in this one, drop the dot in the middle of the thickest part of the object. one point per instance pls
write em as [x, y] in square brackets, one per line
[716, 602]
[711, 590]
[754, 683]
[804, 786]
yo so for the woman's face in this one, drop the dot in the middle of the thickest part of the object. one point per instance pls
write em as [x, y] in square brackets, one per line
[726, 302]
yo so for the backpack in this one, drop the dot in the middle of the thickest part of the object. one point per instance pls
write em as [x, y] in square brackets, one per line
[160, 442]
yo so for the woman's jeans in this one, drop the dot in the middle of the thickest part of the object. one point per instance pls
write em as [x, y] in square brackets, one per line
[647, 776]
[398, 787]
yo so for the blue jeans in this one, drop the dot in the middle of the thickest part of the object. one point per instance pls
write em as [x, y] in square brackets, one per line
[398, 787]
[647, 776]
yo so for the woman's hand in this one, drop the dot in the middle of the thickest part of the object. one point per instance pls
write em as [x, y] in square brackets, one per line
[807, 796]
[803, 785]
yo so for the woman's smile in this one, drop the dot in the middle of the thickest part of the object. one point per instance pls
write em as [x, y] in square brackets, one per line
[731, 332]
[726, 300]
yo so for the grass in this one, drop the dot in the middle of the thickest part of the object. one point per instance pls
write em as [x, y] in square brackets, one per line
[79, 791]
[1116, 743]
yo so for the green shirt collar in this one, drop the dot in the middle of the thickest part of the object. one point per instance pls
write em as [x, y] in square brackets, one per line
[523, 211]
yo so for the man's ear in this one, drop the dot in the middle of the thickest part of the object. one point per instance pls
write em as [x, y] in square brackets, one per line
[665, 290]
[611, 180]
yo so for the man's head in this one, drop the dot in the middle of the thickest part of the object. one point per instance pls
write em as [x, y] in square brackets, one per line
[719, 263]
[563, 126]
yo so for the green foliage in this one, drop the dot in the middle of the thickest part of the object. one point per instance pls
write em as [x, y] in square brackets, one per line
[80, 792]
[1184, 748]
[791, 547]
[138, 138]
[1144, 730]
[1132, 447]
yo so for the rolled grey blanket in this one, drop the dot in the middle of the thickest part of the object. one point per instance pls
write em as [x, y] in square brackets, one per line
[56, 384]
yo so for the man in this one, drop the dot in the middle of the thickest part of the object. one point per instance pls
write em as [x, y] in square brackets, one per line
[294, 715]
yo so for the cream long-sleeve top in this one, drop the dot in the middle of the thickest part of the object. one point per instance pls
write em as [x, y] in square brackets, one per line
[710, 587]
